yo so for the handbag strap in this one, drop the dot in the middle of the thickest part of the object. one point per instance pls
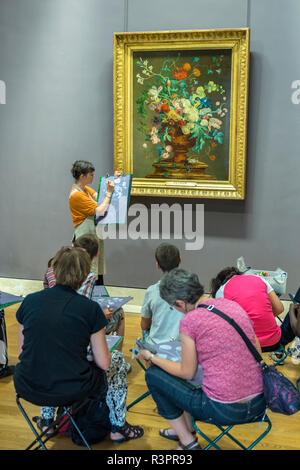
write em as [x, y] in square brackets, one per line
[252, 348]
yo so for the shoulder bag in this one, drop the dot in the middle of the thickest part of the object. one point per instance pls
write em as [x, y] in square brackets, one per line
[280, 394]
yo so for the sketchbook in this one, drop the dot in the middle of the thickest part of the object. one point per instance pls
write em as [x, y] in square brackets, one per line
[171, 350]
[9, 299]
[99, 291]
[111, 302]
[113, 341]
[118, 207]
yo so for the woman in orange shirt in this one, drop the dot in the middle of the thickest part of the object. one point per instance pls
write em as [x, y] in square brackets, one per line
[83, 206]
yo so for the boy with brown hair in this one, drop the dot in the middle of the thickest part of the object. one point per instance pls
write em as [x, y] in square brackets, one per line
[160, 321]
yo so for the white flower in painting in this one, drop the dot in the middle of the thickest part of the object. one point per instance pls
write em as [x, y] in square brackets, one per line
[154, 92]
[214, 122]
[186, 104]
[204, 111]
[140, 79]
[152, 106]
[154, 139]
[191, 114]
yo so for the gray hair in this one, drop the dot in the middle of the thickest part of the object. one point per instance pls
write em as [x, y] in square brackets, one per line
[180, 284]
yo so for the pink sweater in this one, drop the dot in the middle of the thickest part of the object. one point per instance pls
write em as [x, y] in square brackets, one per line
[230, 372]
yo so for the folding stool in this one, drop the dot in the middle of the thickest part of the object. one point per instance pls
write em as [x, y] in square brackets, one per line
[41, 437]
[225, 432]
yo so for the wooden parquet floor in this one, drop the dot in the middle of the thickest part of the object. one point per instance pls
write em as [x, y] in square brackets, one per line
[16, 435]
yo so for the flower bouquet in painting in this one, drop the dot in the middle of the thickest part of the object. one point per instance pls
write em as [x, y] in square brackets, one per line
[182, 106]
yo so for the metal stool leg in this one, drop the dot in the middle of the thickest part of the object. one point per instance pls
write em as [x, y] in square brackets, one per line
[146, 394]
[138, 399]
[38, 437]
[77, 428]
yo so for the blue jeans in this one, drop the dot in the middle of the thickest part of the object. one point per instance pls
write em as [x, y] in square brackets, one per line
[173, 396]
[287, 335]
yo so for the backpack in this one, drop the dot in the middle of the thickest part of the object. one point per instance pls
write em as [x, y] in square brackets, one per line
[92, 419]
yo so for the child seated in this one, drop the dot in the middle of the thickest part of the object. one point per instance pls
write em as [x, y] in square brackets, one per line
[116, 320]
[157, 324]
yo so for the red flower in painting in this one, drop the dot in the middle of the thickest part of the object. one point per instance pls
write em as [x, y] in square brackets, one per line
[165, 108]
[180, 73]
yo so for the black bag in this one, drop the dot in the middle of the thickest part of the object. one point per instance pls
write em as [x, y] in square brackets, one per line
[280, 394]
[92, 418]
[3, 343]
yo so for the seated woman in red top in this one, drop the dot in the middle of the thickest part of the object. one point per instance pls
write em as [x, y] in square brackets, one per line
[258, 299]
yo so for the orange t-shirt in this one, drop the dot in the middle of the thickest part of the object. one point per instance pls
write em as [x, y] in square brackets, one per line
[81, 205]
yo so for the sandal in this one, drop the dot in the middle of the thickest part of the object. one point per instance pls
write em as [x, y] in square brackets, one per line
[126, 430]
[173, 437]
[191, 446]
[41, 424]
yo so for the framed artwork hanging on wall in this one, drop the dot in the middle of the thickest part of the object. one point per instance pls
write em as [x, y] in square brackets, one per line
[180, 112]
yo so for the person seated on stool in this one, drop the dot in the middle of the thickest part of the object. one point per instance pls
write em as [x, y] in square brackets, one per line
[55, 328]
[257, 297]
[232, 384]
[116, 320]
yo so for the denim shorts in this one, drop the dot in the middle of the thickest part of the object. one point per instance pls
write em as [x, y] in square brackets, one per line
[173, 396]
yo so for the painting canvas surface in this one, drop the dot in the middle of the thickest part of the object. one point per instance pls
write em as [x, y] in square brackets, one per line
[181, 111]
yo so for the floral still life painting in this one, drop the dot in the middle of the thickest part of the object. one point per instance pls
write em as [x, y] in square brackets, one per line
[182, 102]
[181, 111]
[181, 108]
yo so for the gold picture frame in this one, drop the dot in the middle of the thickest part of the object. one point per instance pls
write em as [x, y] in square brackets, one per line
[180, 112]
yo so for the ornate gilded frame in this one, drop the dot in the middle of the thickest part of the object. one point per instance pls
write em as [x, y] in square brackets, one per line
[126, 47]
